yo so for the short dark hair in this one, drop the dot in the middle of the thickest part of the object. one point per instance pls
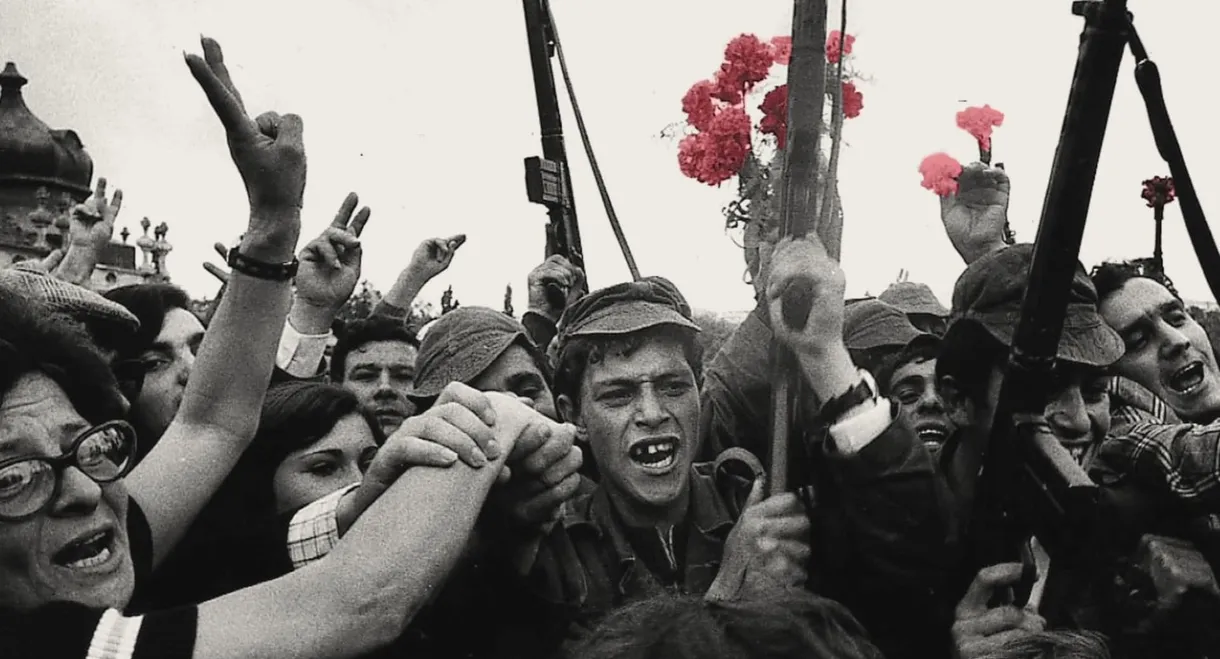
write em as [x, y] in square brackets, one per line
[915, 352]
[33, 341]
[581, 351]
[787, 624]
[358, 333]
[1111, 276]
[150, 303]
[968, 353]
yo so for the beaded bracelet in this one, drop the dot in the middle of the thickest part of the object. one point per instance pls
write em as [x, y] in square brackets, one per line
[239, 262]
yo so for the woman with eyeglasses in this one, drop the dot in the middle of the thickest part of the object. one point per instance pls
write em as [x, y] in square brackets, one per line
[75, 546]
[80, 528]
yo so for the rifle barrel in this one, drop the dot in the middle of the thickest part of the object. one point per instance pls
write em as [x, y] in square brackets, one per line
[1056, 254]
[563, 233]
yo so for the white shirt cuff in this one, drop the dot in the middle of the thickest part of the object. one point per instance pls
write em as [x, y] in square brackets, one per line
[859, 426]
[314, 530]
[299, 354]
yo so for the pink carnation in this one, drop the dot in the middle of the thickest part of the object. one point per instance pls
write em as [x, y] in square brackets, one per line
[781, 49]
[698, 104]
[716, 155]
[853, 100]
[940, 172]
[834, 41]
[775, 115]
[747, 61]
[979, 122]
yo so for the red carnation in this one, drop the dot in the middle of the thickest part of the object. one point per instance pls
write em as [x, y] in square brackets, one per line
[853, 100]
[716, 155]
[781, 50]
[836, 40]
[775, 115]
[698, 104]
[979, 122]
[747, 61]
[727, 87]
[1159, 186]
[940, 172]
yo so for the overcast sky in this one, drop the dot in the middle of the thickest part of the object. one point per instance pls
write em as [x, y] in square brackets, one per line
[426, 109]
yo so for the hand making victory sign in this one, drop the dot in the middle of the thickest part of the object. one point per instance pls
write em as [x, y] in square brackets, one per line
[269, 153]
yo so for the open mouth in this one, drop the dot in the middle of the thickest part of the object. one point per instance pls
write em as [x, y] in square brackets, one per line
[932, 434]
[86, 552]
[656, 454]
[1187, 380]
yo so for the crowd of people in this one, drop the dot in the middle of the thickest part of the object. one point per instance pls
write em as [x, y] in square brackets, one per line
[582, 482]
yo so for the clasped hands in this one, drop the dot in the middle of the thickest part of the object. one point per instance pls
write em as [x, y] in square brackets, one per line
[480, 430]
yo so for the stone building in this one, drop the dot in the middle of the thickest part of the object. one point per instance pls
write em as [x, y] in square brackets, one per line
[44, 173]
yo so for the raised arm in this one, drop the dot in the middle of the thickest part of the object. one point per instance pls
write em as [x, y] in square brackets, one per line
[432, 257]
[220, 408]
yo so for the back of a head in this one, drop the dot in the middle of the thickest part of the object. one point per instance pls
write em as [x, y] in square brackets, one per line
[1053, 645]
[783, 625]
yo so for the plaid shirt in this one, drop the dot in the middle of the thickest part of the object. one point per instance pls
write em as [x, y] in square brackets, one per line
[1176, 463]
[314, 530]
[1132, 404]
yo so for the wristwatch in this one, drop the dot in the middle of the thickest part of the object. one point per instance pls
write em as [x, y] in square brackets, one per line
[239, 262]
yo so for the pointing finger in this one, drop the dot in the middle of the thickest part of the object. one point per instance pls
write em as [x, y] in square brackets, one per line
[221, 250]
[117, 202]
[100, 193]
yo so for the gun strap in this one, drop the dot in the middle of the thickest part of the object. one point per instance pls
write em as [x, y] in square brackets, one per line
[584, 140]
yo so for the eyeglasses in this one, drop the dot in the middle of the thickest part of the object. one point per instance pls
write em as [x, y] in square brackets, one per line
[104, 453]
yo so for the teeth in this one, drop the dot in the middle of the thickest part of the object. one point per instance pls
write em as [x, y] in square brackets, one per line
[92, 561]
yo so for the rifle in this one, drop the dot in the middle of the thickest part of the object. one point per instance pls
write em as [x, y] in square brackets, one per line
[1029, 485]
[547, 179]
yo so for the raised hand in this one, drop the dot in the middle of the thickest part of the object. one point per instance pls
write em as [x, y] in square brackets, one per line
[981, 629]
[330, 263]
[434, 256]
[553, 285]
[976, 218]
[269, 153]
[92, 223]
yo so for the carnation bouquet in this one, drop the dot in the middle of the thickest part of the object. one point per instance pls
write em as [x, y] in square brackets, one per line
[721, 138]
